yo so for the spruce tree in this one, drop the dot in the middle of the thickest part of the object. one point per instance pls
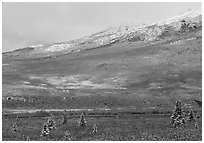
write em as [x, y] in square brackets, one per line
[177, 118]
[64, 118]
[45, 130]
[95, 129]
[51, 124]
[192, 117]
[82, 122]
[14, 127]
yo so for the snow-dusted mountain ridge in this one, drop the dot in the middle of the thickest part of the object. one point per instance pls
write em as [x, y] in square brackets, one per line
[183, 23]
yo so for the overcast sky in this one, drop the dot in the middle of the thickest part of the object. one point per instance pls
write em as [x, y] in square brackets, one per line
[26, 24]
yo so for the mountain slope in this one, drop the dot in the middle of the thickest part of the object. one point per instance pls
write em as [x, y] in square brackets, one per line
[130, 66]
[186, 22]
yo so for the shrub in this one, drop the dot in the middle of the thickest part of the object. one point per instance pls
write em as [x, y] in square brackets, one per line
[27, 138]
[67, 136]
[185, 26]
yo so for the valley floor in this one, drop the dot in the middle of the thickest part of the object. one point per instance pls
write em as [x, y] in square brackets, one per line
[111, 125]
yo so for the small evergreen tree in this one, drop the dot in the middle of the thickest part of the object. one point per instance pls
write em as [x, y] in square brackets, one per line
[192, 117]
[82, 121]
[177, 118]
[51, 124]
[14, 127]
[95, 129]
[64, 118]
[45, 130]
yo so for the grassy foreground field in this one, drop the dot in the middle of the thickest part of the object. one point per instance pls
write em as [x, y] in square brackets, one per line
[115, 126]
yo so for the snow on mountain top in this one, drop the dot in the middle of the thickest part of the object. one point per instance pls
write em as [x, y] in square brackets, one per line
[188, 14]
[36, 46]
[117, 33]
